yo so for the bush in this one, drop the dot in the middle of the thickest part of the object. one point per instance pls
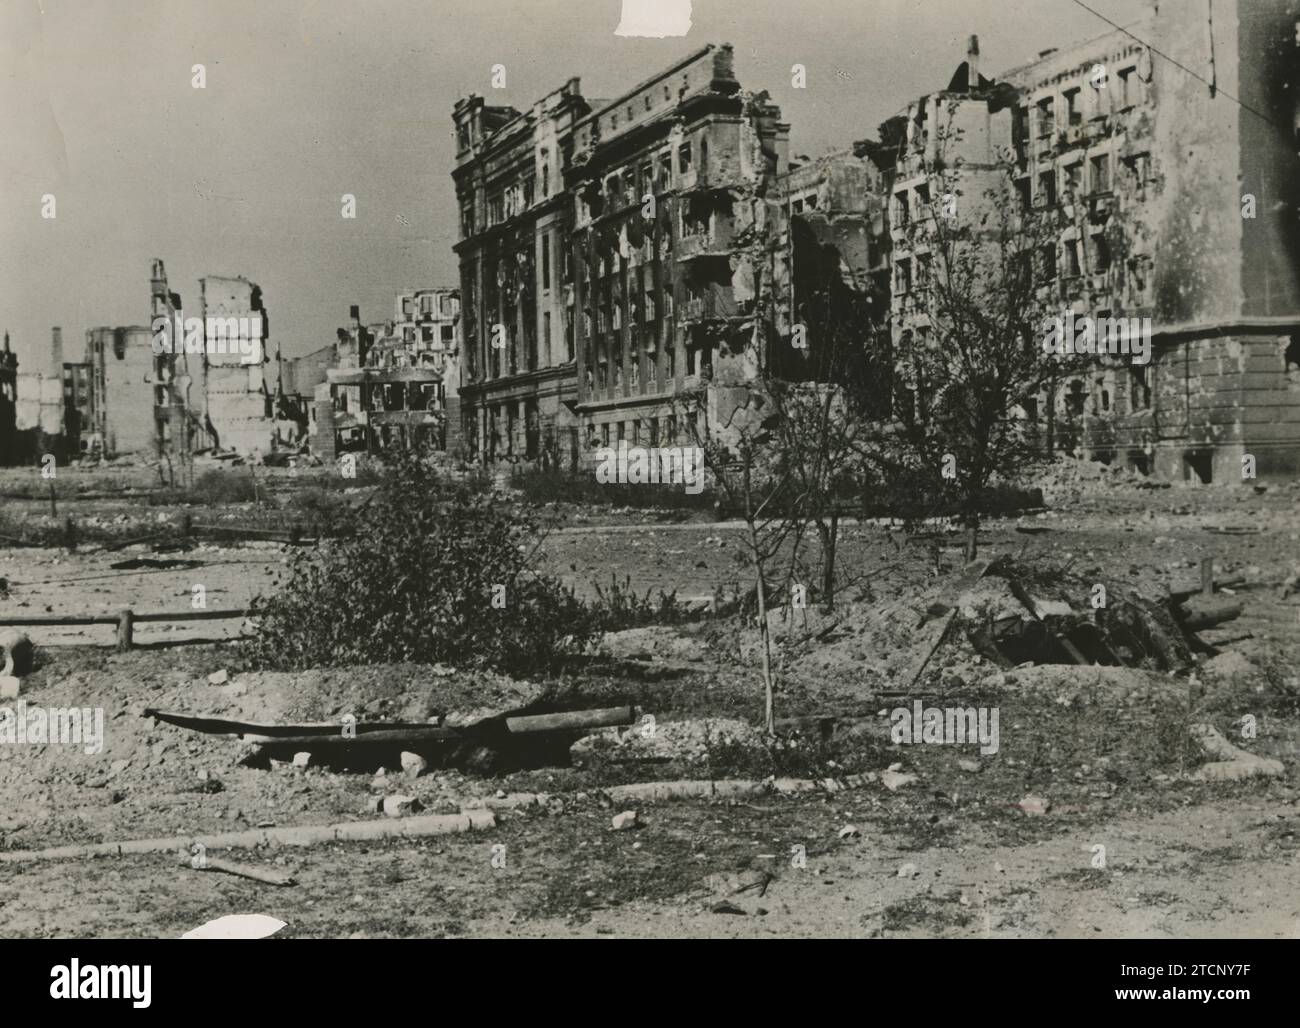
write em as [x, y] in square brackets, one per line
[224, 485]
[416, 582]
[620, 607]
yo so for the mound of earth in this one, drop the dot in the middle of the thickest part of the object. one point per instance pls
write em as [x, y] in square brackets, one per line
[688, 742]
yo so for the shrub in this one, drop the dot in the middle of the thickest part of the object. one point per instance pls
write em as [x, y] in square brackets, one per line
[620, 607]
[224, 485]
[416, 581]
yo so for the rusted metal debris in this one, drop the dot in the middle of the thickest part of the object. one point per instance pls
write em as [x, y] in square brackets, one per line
[511, 739]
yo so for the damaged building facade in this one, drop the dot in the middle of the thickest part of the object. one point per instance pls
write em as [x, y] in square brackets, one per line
[381, 386]
[66, 412]
[620, 256]
[1177, 193]
[829, 270]
[216, 389]
[238, 391]
[517, 386]
[112, 393]
[632, 267]
[670, 185]
[609, 253]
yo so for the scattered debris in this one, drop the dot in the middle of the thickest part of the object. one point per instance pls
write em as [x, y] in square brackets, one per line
[206, 863]
[895, 780]
[401, 806]
[1036, 805]
[627, 819]
[413, 765]
[1230, 763]
[689, 741]
[15, 653]
[137, 563]
[908, 870]
[218, 677]
[743, 881]
[848, 832]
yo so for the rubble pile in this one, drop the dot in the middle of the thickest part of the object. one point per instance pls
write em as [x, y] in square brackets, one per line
[1009, 615]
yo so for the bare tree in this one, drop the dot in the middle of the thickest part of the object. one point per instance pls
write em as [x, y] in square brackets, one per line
[740, 457]
[988, 259]
[823, 417]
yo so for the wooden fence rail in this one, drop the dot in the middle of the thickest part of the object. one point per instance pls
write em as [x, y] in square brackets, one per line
[125, 619]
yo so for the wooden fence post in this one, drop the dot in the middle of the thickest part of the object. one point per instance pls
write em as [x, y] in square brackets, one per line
[125, 627]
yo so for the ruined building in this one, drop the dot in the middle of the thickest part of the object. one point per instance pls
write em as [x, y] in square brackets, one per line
[829, 246]
[177, 378]
[39, 416]
[631, 267]
[238, 391]
[1170, 153]
[671, 187]
[385, 385]
[115, 395]
[517, 386]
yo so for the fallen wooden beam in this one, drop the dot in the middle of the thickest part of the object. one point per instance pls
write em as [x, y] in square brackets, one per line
[257, 731]
[938, 641]
[113, 619]
[300, 835]
[393, 738]
[1185, 593]
[192, 615]
[122, 544]
[206, 863]
[574, 720]
[1207, 611]
[1220, 637]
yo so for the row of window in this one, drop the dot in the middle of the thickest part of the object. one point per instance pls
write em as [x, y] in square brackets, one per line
[645, 432]
[504, 360]
[626, 187]
[601, 375]
[427, 305]
[1106, 93]
[506, 202]
[1068, 258]
[1047, 189]
[627, 115]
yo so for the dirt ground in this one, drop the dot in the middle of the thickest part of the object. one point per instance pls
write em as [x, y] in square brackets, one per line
[994, 845]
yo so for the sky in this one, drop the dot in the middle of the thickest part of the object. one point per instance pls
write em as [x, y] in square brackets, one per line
[306, 100]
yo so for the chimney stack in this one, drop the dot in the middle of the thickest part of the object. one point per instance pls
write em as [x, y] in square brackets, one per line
[973, 64]
[56, 351]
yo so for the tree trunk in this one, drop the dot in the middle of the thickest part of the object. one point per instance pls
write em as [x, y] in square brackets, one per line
[1051, 416]
[829, 539]
[769, 718]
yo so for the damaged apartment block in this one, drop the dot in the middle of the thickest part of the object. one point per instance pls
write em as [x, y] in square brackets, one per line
[385, 386]
[617, 256]
[1178, 197]
[670, 184]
